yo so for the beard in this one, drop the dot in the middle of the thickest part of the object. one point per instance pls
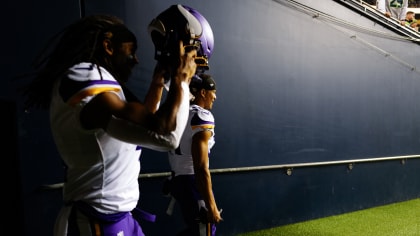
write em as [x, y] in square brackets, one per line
[123, 68]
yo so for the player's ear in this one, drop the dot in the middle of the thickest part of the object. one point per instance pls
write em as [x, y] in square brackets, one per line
[107, 44]
[203, 92]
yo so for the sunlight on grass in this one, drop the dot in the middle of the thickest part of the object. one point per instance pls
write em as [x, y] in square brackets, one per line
[398, 219]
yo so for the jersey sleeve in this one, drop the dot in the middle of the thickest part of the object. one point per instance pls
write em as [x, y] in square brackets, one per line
[202, 120]
[84, 81]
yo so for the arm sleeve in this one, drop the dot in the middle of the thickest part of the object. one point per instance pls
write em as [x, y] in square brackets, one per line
[380, 6]
[404, 10]
[133, 133]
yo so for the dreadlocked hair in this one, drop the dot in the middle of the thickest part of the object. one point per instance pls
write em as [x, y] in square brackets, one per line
[78, 42]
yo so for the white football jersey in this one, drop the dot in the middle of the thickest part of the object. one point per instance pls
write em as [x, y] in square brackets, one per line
[180, 159]
[101, 170]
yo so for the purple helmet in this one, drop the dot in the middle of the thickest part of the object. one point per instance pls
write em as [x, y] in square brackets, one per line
[180, 22]
[206, 39]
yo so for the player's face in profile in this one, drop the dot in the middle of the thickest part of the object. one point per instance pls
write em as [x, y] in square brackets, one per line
[210, 97]
[124, 61]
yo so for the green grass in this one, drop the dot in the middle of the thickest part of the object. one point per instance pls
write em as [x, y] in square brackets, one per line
[397, 219]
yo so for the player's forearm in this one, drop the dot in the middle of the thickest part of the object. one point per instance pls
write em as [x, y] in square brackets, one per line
[174, 112]
[130, 132]
[204, 185]
[154, 94]
[153, 97]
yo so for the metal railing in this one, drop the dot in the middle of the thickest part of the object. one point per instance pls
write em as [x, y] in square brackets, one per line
[367, 10]
[287, 167]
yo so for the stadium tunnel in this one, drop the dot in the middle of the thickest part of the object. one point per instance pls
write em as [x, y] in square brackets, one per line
[317, 111]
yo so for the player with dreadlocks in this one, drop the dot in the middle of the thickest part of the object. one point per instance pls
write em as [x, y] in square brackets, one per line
[99, 127]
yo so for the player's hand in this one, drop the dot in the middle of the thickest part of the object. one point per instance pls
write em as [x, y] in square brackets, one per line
[187, 66]
[160, 74]
[214, 216]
